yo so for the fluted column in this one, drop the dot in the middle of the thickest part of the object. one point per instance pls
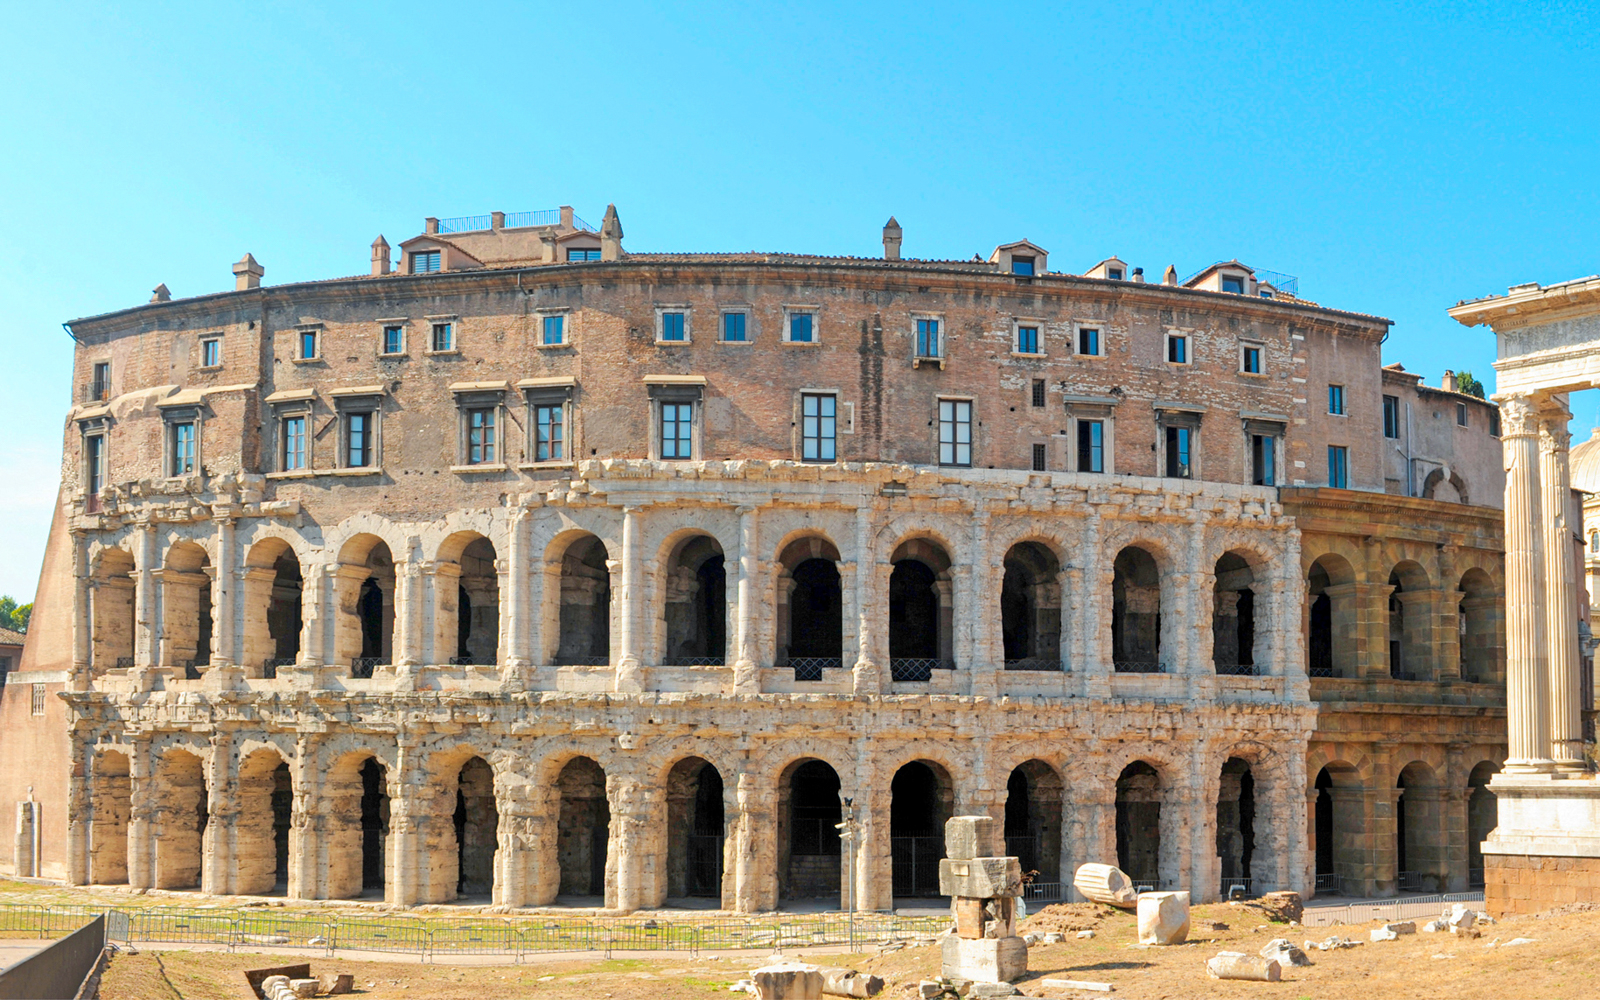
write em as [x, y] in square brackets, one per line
[1560, 590]
[745, 678]
[1527, 655]
[631, 632]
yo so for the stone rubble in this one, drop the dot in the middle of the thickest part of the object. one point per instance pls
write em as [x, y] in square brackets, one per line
[1392, 931]
[1237, 965]
[983, 889]
[1285, 951]
[1163, 917]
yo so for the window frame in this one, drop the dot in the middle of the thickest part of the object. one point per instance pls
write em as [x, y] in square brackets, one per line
[1039, 394]
[1030, 261]
[384, 326]
[562, 316]
[1336, 401]
[96, 462]
[489, 444]
[676, 393]
[37, 701]
[558, 442]
[790, 312]
[590, 255]
[311, 334]
[1182, 340]
[1095, 451]
[470, 399]
[1040, 458]
[665, 310]
[746, 325]
[347, 432]
[304, 419]
[436, 256]
[210, 352]
[1463, 419]
[447, 324]
[1222, 284]
[1391, 417]
[556, 393]
[680, 415]
[803, 422]
[1272, 432]
[176, 457]
[1342, 454]
[1259, 348]
[924, 324]
[100, 381]
[956, 404]
[1099, 332]
[1020, 323]
[1188, 425]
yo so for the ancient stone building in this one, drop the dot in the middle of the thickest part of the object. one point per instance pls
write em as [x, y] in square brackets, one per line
[542, 570]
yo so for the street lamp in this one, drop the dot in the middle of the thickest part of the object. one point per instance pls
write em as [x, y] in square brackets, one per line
[847, 840]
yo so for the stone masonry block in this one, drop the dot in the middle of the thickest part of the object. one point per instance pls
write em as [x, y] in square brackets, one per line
[980, 878]
[992, 960]
[970, 837]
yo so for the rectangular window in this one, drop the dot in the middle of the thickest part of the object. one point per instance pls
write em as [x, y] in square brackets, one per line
[1461, 414]
[210, 353]
[394, 340]
[928, 338]
[733, 327]
[1091, 446]
[574, 253]
[358, 440]
[1338, 467]
[183, 448]
[800, 328]
[424, 261]
[1039, 457]
[308, 344]
[444, 337]
[1022, 265]
[672, 326]
[94, 452]
[1250, 359]
[294, 444]
[555, 330]
[955, 432]
[1263, 459]
[548, 438]
[1179, 440]
[819, 428]
[677, 430]
[1494, 422]
[1027, 340]
[1234, 285]
[1088, 340]
[480, 436]
[1391, 417]
[1114, 273]
[38, 699]
[1336, 400]
[1038, 392]
[100, 388]
[1178, 349]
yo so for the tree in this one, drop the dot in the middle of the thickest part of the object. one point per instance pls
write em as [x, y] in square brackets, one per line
[1465, 382]
[14, 616]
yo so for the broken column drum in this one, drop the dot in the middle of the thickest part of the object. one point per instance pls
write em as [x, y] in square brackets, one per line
[984, 889]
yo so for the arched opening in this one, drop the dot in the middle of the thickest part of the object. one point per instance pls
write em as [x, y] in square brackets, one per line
[584, 615]
[1419, 850]
[695, 604]
[476, 827]
[808, 842]
[111, 589]
[694, 829]
[1033, 819]
[1139, 824]
[1483, 815]
[1342, 836]
[1136, 613]
[584, 828]
[273, 587]
[1481, 618]
[467, 601]
[1236, 817]
[108, 831]
[1331, 637]
[921, 798]
[920, 611]
[261, 832]
[364, 598]
[186, 622]
[810, 625]
[357, 826]
[1410, 624]
[1030, 608]
[182, 810]
[1233, 616]
[1445, 485]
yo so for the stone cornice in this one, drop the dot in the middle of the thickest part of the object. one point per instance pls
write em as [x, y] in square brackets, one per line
[1532, 304]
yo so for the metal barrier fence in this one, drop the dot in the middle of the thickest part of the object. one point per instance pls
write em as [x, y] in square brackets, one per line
[1399, 908]
[432, 939]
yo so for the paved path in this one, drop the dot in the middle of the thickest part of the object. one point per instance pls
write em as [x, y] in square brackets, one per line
[14, 950]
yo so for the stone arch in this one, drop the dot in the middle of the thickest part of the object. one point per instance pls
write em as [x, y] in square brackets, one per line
[110, 797]
[1421, 859]
[922, 796]
[1446, 485]
[1035, 798]
[187, 610]
[474, 828]
[1236, 826]
[1143, 841]
[182, 810]
[111, 609]
[1332, 622]
[1342, 838]
[274, 592]
[577, 600]
[921, 608]
[696, 829]
[1137, 622]
[1030, 607]
[583, 826]
[692, 626]
[356, 797]
[1241, 614]
[1481, 624]
[364, 599]
[1410, 622]
[810, 854]
[810, 605]
[261, 831]
[466, 600]
[1483, 815]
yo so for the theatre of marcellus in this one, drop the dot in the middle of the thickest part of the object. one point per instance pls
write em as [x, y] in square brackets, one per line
[528, 571]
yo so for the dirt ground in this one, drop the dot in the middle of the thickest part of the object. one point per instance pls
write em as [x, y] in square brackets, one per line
[1561, 962]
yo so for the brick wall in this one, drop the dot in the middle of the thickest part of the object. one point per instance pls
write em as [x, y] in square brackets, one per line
[1521, 884]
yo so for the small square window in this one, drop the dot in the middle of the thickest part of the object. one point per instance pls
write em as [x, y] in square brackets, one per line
[444, 337]
[955, 432]
[1338, 467]
[211, 353]
[394, 340]
[1250, 359]
[802, 328]
[1027, 340]
[1114, 273]
[294, 444]
[1039, 456]
[1391, 417]
[424, 261]
[673, 327]
[549, 438]
[819, 428]
[308, 345]
[1461, 414]
[1233, 284]
[1336, 400]
[1038, 392]
[733, 327]
[578, 253]
[928, 345]
[1088, 340]
[480, 436]
[358, 439]
[1177, 349]
[677, 431]
[554, 331]
[1022, 265]
[1091, 446]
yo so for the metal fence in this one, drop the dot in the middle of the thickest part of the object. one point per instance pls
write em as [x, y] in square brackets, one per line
[432, 939]
[810, 668]
[1399, 908]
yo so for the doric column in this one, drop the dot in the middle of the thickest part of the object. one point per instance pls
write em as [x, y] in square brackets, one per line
[982, 611]
[635, 806]
[81, 626]
[80, 807]
[630, 673]
[1200, 803]
[407, 813]
[223, 594]
[1527, 653]
[517, 654]
[440, 583]
[141, 808]
[148, 646]
[755, 884]
[1447, 634]
[305, 819]
[408, 646]
[222, 806]
[745, 678]
[868, 672]
[314, 616]
[1560, 590]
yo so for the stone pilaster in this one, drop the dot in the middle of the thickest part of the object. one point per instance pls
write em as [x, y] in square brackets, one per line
[141, 814]
[80, 807]
[224, 594]
[630, 867]
[1090, 623]
[217, 870]
[755, 858]
[408, 647]
[408, 814]
[870, 661]
[440, 583]
[147, 613]
[983, 610]
[82, 629]
[305, 820]
[746, 679]
[1527, 651]
[517, 653]
[631, 630]
[1560, 590]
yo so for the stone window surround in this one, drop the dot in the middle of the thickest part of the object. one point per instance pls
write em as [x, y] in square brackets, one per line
[677, 389]
[205, 339]
[88, 427]
[455, 335]
[544, 312]
[1100, 339]
[471, 396]
[359, 399]
[1188, 347]
[815, 311]
[300, 329]
[919, 359]
[662, 308]
[292, 403]
[1260, 347]
[180, 410]
[1091, 408]
[405, 336]
[548, 391]
[1017, 322]
[844, 421]
[749, 325]
[1172, 414]
[1270, 425]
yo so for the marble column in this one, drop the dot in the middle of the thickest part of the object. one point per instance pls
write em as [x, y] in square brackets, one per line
[745, 678]
[630, 673]
[1527, 655]
[1560, 590]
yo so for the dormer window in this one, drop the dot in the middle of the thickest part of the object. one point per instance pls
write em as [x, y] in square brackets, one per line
[425, 261]
[582, 254]
[1022, 265]
[1114, 273]
[1233, 283]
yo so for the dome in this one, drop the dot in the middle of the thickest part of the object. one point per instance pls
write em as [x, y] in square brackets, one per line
[1585, 464]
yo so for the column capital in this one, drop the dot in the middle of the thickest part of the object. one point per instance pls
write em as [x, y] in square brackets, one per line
[1519, 415]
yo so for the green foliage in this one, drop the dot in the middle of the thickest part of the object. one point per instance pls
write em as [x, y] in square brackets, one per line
[14, 616]
[1467, 383]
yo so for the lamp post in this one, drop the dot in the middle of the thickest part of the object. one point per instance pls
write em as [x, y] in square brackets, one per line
[847, 840]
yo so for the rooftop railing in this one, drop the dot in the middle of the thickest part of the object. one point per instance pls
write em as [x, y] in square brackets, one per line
[513, 220]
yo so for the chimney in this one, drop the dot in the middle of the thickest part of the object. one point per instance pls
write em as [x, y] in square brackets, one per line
[891, 239]
[380, 255]
[1171, 277]
[1137, 275]
[1448, 383]
[430, 225]
[610, 233]
[161, 293]
[497, 220]
[566, 217]
[247, 274]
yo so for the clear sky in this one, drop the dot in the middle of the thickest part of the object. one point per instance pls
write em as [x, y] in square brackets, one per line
[1396, 159]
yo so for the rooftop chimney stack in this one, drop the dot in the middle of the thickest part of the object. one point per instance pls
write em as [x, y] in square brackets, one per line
[1448, 383]
[1138, 275]
[610, 232]
[380, 256]
[566, 217]
[497, 220]
[891, 239]
[1171, 277]
[430, 225]
[247, 274]
[161, 293]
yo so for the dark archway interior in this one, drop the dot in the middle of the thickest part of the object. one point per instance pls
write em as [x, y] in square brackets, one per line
[1136, 611]
[919, 804]
[1033, 819]
[477, 604]
[913, 612]
[1324, 826]
[696, 606]
[585, 611]
[282, 816]
[583, 838]
[1236, 814]
[812, 843]
[695, 835]
[284, 611]
[1483, 815]
[1030, 606]
[477, 825]
[1233, 618]
[816, 619]
[374, 823]
[370, 608]
[1139, 823]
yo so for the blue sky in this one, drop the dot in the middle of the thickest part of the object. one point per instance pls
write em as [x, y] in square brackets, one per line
[1397, 159]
